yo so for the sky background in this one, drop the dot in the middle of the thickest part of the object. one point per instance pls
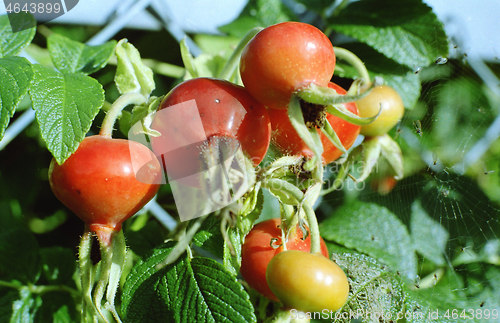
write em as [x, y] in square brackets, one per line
[473, 25]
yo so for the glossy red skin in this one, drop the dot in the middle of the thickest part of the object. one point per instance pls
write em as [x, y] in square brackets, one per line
[97, 182]
[226, 110]
[257, 252]
[283, 58]
[288, 142]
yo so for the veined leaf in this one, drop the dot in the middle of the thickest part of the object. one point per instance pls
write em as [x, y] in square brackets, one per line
[65, 106]
[72, 56]
[15, 78]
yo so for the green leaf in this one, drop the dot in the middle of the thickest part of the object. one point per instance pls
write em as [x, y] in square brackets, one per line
[232, 251]
[400, 77]
[240, 26]
[259, 13]
[65, 106]
[428, 236]
[189, 290]
[373, 288]
[58, 264]
[57, 307]
[209, 237]
[72, 56]
[142, 241]
[146, 295]
[316, 5]
[210, 294]
[188, 60]
[15, 78]
[208, 65]
[19, 257]
[132, 75]
[431, 304]
[406, 31]
[461, 98]
[12, 42]
[374, 230]
[216, 44]
[421, 308]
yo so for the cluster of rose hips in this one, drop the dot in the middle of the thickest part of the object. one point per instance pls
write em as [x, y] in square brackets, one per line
[285, 65]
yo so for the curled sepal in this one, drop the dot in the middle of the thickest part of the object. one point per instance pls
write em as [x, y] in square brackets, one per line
[289, 216]
[310, 136]
[250, 200]
[188, 60]
[339, 110]
[132, 75]
[330, 133]
[371, 154]
[389, 149]
[313, 193]
[143, 115]
[392, 153]
[327, 97]
[286, 192]
[282, 163]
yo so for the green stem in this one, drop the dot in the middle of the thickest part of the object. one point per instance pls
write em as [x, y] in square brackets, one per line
[313, 228]
[10, 285]
[234, 59]
[163, 68]
[42, 289]
[116, 109]
[53, 288]
[354, 61]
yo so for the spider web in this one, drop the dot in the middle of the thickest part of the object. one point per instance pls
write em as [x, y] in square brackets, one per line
[451, 146]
